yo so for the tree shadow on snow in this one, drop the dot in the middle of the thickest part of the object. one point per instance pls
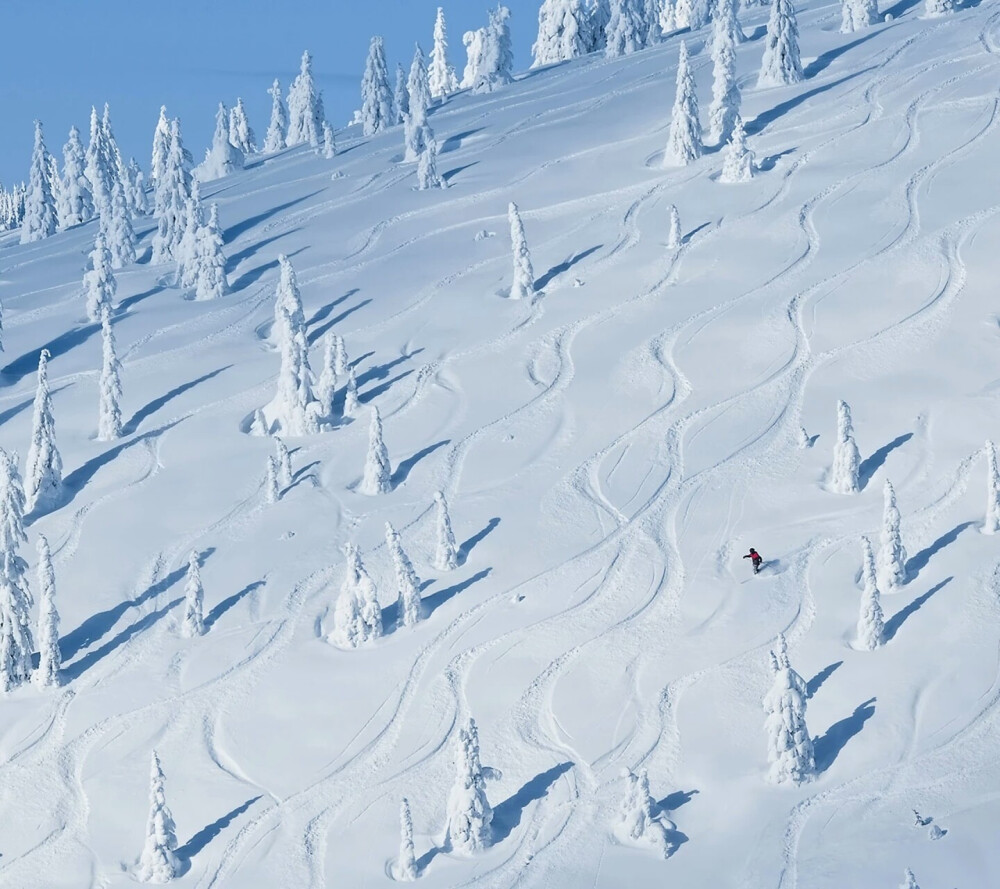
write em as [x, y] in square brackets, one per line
[320, 331]
[233, 261]
[453, 143]
[828, 747]
[762, 120]
[893, 624]
[872, 464]
[452, 173]
[433, 602]
[507, 815]
[301, 475]
[565, 266]
[204, 836]
[215, 613]
[234, 231]
[917, 564]
[768, 163]
[323, 312]
[98, 625]
[813, 685]
[469, 545]
[824, 60]
[405, 467]
[255, 274]
[898, 9]
[12, 412]
[673, 801]
[137, 298]
[153, 406]
[376, 391]
[381, 371]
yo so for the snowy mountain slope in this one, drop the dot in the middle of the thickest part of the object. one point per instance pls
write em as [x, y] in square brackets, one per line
[609, 451]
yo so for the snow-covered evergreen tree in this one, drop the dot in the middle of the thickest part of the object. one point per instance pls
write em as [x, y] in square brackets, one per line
[305, 107]
[210, 259]
[158, 862]
[674, 235]
[625, 32]
[49, 656]
[684, 142]
[737, 159]
[378, 473]
[871, 623]
[16, 644]
[272, 492]
[351, 400]
[376, 96]
[909, 880]
[496, 64]
[194, 600]
[329, 142]
[240, 133]
[475, 43]
[524, 275]
[406, 867]
[563, 27]
[291, 406]
[43, 471]
[446, 554]
[441, 75]
[99, 284]
[992, 523]
[845, 473]
[413, 136]
[109, 425]
[856, 15]
[136, 189]
[357, 618]
[653, 30]
[40, 216]
[274, 140]
[186, 252]
[223, 157]
[469, 812]
[418, 86]
[76, 203]
[725, 107]
[161, 147]
[934, 8]
[283, 458]
[116, 224]
[116, 164]
[781, 63]
[258, 423]
[427, 174]
[98, 165]
[409, 608]
[637, 816]
[173, 190]
[891, 565]
[326, 385]
[401, 96]
[789, 747]
[598, 17]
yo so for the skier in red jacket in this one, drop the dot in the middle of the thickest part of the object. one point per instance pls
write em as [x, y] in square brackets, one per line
[755, 559]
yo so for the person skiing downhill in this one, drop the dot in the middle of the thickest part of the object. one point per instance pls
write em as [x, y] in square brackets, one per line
[755, 559]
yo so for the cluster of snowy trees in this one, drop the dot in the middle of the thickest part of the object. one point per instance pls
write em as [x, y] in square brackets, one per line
[12, 206]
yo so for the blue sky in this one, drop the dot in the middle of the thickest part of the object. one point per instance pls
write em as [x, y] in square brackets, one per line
[190, 55]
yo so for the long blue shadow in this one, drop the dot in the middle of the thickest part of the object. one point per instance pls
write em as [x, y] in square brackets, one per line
[157, 403]
[762, 120]
[453, 143]
[872, 464]
[215, 613]
[452, 173]
[565, 266]
[824, 60]
[436, 600]
[322, 313]
[258, 272]
[469, 545]
[827, 748]
[381, 371]
[507, 815]
[917, 564]
[813, 685]
[233, 261]
[373, 393]
[318, 333]
[204, 836]
[234, 231]
[673, 801]
[898, 9]
[405, 467]
[137, 298]
[893, 624]
[27, 363]
[12, 412]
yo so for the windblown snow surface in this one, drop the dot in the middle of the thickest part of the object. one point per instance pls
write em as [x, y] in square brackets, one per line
[609, 451]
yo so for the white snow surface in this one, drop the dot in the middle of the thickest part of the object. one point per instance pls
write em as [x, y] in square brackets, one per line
[608, 452]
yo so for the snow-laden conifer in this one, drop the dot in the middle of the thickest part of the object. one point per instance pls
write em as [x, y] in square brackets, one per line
[523, 286]
[329, 142]
[496, 65]
[684, 142]
[376, 95]
[638, 818]
[186, 253]
[891, 564]
[737, 159]
[272, 491]
[446, 553]
[909, 880]
[653, 30]
[116, 163]
[240, 133]
[992, 523]
[43, 471]
[274, 140]
[305, 107]
[109, 421]
[99, 284]
[418, 85]
[408, 604]
[136, 189]
[283, 458]
[474, 42]
[856, 15]
[598, 17]
[158, 862]
[173, 191]
[441, 75]
[780, 661]
[210, 259]
[291, 405]
[351, 401]
[223, 157]
[401, 96]
[258, 423]
[16, 644]
[781, 63]
[40, 216]
[340, 362]
[194, 600]
[161, 147]
[562, 32]
[789, 747]
[674, 234]
[357, 618]
[406, 867]
[49, 656]
[470, 815]
[98, 165]
[378, 473]
[427, 174]
[413, 136]
[725, 107]
[55, 184]
[626, 30]
[845, 473]
[116, 223]
[934, 8]
[326, 385]
[871, 623]
[76, 203]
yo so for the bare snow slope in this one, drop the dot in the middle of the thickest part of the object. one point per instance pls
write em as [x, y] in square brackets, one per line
[609, 451]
